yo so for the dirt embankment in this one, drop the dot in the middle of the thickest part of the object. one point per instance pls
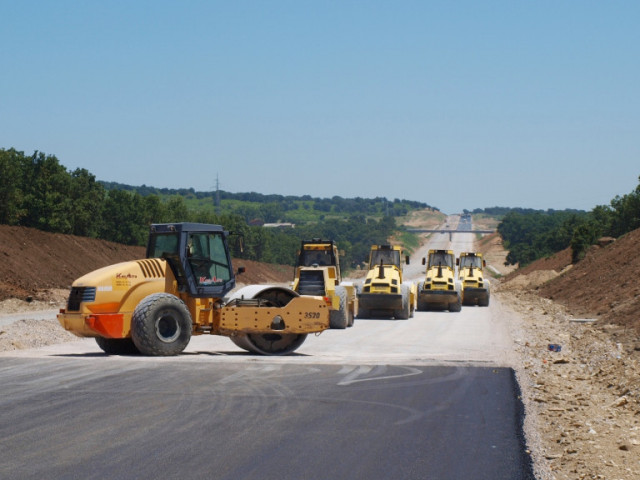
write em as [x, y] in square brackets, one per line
[36, 264]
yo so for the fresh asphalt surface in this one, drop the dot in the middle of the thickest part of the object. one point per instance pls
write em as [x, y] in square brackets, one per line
[432, 397]
[99, 417]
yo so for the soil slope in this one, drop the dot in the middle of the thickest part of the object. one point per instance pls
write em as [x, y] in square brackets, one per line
[603, 286]
[35, 262]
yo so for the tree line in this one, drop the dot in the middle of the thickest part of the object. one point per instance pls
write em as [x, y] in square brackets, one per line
[273, 207]
[37, 191]
[532, 234]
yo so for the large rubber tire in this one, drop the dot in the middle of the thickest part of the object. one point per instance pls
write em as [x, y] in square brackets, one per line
[405, 312]
[269, 343]
[117, 346]
[161, 325]
[339, 319]
[456, 306]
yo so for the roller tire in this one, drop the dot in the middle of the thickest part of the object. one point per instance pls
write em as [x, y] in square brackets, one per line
[484, 302]
[456, 306]
[161, 325]
[421, 306]
[339, 319]
[363, 313]
[405, 312]
[269, 343]
[117, 346]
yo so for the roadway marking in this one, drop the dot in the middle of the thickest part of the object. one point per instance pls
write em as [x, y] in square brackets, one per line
[352, 377]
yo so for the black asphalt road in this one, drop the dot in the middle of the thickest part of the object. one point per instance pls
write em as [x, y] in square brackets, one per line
[98, 417]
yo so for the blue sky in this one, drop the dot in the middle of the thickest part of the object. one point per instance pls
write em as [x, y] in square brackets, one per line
[459, 104]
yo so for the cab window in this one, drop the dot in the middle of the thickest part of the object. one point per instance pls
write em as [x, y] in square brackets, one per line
[208, 258]
[440, 259]
[387, 257]
[163, 246]
[469, 261]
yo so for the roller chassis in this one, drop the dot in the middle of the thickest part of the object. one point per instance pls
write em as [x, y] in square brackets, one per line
[439, 290]
[475, 286]
[153, 306]
[317, 272]
[384, 293]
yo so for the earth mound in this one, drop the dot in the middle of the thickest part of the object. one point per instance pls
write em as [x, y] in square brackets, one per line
[35, 263]
[602, 286]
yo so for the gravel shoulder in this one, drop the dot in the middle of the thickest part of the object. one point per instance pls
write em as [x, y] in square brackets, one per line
[581, 402]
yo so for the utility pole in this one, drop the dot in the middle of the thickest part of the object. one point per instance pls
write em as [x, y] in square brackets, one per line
[216, 200]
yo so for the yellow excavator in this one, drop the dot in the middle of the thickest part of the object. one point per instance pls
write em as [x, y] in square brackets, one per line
[154, 305]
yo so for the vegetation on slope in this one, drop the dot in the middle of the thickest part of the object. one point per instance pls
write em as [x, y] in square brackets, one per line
[42, 194]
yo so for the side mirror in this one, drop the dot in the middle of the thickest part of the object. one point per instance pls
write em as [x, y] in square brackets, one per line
[241, 270]
[424, 261]
[407, 259]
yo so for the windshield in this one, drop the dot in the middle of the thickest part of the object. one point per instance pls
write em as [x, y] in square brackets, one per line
[208, 258]
[440, 259]
[470, 261]
[387, 257]
[316, 257]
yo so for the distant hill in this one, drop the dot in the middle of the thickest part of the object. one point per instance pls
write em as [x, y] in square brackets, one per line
[278, 208]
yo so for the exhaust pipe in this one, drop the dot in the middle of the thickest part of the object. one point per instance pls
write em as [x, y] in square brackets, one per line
[381, 270]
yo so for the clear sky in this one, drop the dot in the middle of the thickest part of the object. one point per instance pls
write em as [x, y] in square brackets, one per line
[459, 104]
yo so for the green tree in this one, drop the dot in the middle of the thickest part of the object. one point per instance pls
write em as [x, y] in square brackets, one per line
[176, 210]
[584, 236]
[123, 218]
[10, 187]
[626, 213]
[87, 199]
[46, 185]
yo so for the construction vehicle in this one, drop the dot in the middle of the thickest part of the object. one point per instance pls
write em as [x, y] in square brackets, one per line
[154, 305]
[475, 287]
[317, 273]
[384, 292]
[440, 290]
